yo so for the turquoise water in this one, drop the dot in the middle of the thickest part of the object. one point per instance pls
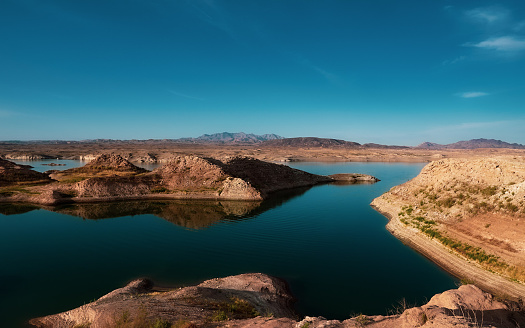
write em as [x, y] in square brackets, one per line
[327, 242]
[43, 165]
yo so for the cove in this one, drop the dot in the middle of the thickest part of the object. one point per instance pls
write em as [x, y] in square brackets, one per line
[327, 242]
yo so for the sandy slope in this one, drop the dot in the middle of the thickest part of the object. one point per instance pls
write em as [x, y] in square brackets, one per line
[477, 204]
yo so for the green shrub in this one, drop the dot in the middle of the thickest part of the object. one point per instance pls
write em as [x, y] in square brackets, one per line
[159, 190]
[489, 191]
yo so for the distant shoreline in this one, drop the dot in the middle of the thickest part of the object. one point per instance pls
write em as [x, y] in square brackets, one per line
[161, 152]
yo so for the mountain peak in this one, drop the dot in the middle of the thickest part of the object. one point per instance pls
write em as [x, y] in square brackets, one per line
[472, 144]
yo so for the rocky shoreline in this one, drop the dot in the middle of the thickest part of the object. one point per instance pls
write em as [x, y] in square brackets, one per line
[450, 262]
[259, 300]
[437, 214]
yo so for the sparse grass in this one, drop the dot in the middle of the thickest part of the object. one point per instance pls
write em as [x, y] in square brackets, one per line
[83, 325]
[401, 306]
[512, 208]
[362, 320]
[466, 281]
[183, 324]
[219, 316]
[447, 202]
[489, 191]
[429, 228]
[237, 308]
[11, 190]
[73, 179]
[159, 190]
[5, 193]
[126, 320]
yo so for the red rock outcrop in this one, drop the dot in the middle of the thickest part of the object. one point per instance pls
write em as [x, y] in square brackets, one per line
[258, 300]
[209, 303]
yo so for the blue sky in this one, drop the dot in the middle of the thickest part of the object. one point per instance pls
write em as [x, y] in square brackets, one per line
[391, 72]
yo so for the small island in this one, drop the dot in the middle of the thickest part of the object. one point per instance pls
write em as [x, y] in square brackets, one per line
[110, 177]
[54, 164]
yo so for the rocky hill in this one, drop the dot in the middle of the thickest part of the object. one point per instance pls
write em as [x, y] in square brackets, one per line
[108, 162]
[232, 138]
[111, 177]
[310, 142]
[12, 174]
[472, 144]
[379, 146]
[466, 215]
[258, 300]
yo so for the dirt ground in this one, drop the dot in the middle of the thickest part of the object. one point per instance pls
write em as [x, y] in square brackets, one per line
[498, 233]
[158, 151]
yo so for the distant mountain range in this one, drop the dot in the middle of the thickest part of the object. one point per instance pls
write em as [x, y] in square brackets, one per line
[273, 140]
[321, 143]
[472, 144]
[221, 138]
[232, 138]
[310, 142]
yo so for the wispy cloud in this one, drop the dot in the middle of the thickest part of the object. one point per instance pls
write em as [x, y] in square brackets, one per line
[208, 11]
[489, 15]
[519, 26]
[185, 95]
[332, 78]
[503, 44]
[454, 61]
[327, 75]
[503, 33]
[474, 94]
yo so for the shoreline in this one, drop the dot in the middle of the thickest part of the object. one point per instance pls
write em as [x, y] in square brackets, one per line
[159, 152]
[452, 263]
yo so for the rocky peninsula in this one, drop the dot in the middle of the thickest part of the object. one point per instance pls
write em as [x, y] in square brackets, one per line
[111, 178]
[258, 300]
[466, 215]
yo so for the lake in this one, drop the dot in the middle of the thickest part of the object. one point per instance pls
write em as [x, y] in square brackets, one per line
[326, 241]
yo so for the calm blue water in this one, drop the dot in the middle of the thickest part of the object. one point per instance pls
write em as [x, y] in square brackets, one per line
[327, 242]
[43, 165]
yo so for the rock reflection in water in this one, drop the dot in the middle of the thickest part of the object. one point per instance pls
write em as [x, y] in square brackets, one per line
[16, 208]
[189, 214]
[192, 214]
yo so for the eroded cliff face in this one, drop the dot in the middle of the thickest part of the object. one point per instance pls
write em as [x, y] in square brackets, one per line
[192, 175]
[473, 208]
[258, 300]
[269, 177]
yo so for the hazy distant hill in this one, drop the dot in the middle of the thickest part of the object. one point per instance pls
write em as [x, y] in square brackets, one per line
[233, 138]
[310, 142]
[223, 138]
[472, 144]
[376, 146]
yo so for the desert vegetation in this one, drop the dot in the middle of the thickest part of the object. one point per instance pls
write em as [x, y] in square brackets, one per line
[472, 207]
